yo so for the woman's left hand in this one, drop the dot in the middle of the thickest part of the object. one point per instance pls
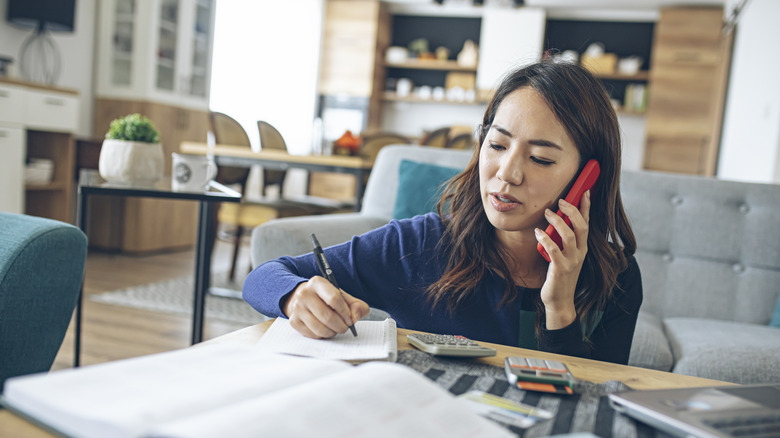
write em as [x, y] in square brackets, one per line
[565, 265]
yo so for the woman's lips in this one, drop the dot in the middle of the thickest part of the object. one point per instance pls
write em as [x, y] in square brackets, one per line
[503, 202]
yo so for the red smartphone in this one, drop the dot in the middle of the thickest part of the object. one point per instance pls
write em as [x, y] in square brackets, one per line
[584, 182]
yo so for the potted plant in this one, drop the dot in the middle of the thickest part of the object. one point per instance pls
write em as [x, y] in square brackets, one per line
[131, 151]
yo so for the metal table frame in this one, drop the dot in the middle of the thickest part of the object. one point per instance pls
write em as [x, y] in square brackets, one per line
[90, 183]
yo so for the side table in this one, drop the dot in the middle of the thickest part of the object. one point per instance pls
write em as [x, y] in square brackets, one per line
[90, 183]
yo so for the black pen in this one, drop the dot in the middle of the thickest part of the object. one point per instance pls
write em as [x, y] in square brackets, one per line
[325, 270]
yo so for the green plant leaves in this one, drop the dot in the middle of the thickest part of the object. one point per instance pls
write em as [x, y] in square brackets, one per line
[133, 127]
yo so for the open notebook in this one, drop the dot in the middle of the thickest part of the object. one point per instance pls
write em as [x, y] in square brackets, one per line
[236, 390]
[376, 340]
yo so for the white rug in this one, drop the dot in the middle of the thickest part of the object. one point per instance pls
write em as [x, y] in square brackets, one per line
[175, 296]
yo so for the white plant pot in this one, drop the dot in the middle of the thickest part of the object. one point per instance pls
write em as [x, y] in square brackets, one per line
[131, 162]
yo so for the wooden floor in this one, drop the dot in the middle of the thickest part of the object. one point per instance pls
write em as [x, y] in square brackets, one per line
[111, 332]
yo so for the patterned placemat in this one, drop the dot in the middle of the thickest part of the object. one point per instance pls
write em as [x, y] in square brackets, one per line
[586, 411]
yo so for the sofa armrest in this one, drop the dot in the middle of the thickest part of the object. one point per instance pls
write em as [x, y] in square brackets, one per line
[292, 236]
[41, 273]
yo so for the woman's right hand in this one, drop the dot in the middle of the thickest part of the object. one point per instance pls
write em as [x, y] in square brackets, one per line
[317, 309]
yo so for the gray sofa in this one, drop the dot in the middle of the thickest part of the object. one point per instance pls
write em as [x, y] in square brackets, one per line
[708, 250]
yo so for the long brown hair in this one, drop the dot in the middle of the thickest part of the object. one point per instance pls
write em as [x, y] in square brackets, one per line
[581, 104]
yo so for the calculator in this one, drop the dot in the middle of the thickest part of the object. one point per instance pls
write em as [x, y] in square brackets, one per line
[449, 345]
[539, 374]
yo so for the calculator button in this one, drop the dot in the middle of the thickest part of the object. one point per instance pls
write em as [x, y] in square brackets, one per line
[449, 345]
[537, 364]
[518, 362]
[556, 366]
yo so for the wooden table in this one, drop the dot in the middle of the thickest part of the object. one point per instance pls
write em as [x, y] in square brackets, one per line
[241, 156]
[583, 369]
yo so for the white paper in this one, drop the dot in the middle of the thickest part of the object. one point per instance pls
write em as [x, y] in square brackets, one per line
[372, 400]
[376, 340]
[125, 398]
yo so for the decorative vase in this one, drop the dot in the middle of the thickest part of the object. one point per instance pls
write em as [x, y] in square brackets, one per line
[125, 162]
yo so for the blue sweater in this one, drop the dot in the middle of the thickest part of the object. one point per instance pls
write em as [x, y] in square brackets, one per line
[390, 267]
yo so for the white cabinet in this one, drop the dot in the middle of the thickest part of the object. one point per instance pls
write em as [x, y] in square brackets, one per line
[153, 57]
[508, 38]
[37, 121]
[12, 140]
[157, 50]
[49, 111]
[12, 100]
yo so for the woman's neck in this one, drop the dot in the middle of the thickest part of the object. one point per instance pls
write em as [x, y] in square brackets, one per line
[526, 265]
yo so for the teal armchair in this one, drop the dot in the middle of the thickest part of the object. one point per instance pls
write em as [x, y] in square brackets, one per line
[41, 272]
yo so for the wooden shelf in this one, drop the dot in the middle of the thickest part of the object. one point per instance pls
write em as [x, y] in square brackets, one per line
[431, 64]
[639, 76]
[55, 200]
[390, 96]
[57, 185]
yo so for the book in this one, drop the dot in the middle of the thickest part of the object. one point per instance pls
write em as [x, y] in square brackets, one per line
[376, 340]
[238, 390]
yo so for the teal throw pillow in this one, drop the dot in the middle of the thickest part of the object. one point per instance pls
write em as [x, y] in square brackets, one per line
[776, 317]
[420, 186]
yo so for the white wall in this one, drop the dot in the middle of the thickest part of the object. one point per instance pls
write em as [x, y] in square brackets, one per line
[632, 134]
[265, 66]
[750, 144]
[76, 50]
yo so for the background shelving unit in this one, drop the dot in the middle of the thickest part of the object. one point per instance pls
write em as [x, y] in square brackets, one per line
[621, 38]
[429, 64]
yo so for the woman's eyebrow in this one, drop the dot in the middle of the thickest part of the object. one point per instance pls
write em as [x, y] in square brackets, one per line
[545, 143]
[502, 130]
[535, 142]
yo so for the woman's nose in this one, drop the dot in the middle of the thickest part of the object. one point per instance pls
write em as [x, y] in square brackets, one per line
[510, 169]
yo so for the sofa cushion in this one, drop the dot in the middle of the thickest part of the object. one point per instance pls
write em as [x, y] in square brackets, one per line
[420, 186]
[724, 350]
[698, 246]
[382, 186]
[650, 348]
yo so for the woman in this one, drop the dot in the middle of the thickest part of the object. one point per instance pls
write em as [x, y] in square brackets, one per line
[473, 267]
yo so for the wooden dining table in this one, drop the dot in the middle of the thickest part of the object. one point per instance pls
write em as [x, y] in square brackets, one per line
[242, 156]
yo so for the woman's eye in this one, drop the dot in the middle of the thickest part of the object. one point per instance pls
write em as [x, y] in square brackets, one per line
[496, 146]
[542, 161]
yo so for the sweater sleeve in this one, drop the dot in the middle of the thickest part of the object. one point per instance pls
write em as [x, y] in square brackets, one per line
[379, 267]
[611, 339]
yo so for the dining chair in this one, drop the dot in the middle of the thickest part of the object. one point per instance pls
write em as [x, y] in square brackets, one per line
[437, 138]
[253, 210]
[461, 141]
[271, 138]
[373, 142]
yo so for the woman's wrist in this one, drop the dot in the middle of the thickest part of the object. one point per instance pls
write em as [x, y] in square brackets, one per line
[559, 317]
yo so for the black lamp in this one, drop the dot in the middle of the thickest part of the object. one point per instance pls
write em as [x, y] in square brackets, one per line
[39, 55]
